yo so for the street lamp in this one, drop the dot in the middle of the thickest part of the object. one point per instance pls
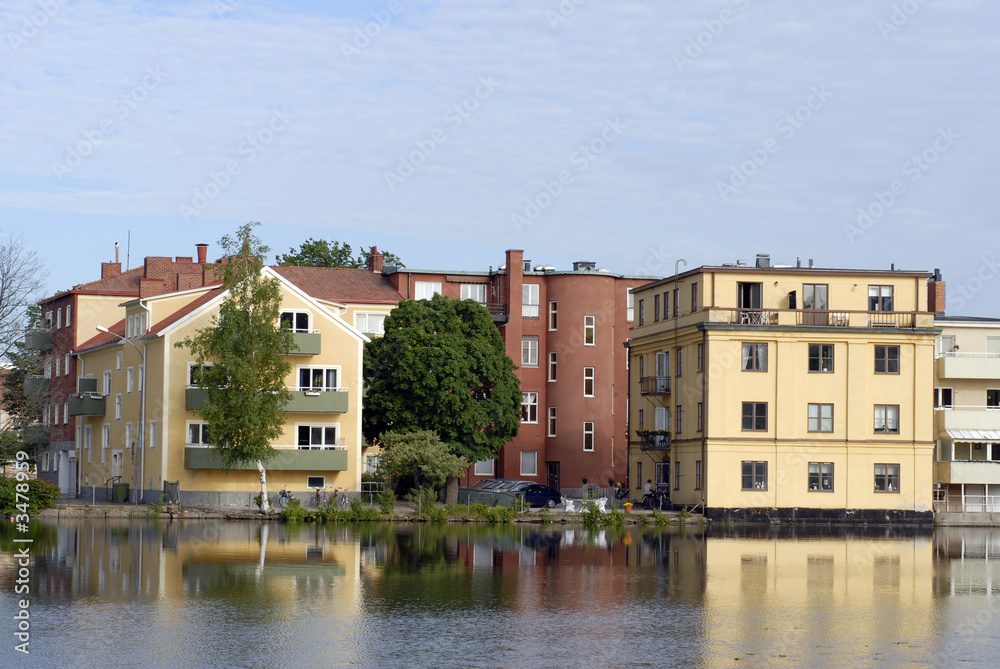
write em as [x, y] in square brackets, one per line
[136, 477]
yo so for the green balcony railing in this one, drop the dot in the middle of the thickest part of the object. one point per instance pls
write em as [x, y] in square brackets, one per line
[308, 343]
[287, 459]
[86, 405]
[38, 340]
[194, 398]
[319, 401]
[37, 386]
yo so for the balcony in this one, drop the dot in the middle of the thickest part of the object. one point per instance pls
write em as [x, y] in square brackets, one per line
[967, 418]
[821, 318]
[654, 440]
[38, 340]
[287, 459]
[529, 311]
[194, 398]
[86, 404]
[308, 343]
[957, 365]
[86, 385]
[318, 401]
[968, 472]
[498, 310]
[37, 386]
[654, 385]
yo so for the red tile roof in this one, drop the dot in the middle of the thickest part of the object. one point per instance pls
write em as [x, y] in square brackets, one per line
[336, 284]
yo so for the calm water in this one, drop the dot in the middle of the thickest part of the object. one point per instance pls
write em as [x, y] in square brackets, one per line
[232, 594]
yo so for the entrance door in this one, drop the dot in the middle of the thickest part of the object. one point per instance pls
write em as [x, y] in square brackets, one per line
[117, 462]
[814, 304]
[552, 474]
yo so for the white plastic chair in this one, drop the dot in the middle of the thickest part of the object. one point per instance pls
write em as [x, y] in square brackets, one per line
[600, 502]
[570, 505]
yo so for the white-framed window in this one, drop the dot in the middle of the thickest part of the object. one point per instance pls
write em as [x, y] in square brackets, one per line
[529, 300]
[142, 378]
[58, 318]
[88, 440]
[46, 415]
[371, 463]
[197, 433]
[66, 413]
[552, 422]
[296, 320]
[821, 418]
[529, 407]
[129, 380]
[943, 397]
[107, 382]
[55, 416]
[484, 468]
[424, 290]
[128, 435]
[553, 315]
[57, 365]
[47, 369]
[192, 368]
[529, 463]
[118, 362]
[315, 437]
[589, 330]
[553, 359]
[152, 434]
[319, 378]
[588, 381]
[118, 406]
[128, 326]
[629, 307]
[588, 435]
[105, 441]
[66, 365]
[370, 323]
[529, 351]
[473, 291]
[69, 315]
[887, 418]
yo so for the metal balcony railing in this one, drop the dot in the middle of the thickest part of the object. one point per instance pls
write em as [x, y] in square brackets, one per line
[654, 385]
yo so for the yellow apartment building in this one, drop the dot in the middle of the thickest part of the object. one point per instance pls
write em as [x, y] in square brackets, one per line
[136, 407]
[793, 393]
[967, 418]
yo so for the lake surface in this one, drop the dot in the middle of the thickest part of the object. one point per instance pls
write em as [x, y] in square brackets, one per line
[206, 593]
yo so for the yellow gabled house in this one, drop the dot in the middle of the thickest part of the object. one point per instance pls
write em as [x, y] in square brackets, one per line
[136, 406]
[793, 393]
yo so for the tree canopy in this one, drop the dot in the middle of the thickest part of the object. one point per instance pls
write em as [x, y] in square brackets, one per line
[241, 357]
[421, 455]
[441, 366]
[321, 253]
[21, 277]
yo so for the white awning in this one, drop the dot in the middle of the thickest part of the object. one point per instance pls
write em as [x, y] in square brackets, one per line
[975, 436]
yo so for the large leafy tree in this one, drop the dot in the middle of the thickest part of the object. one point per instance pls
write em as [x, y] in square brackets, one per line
[421, 455]
[321, 253]
[241, 358]
[441, 366]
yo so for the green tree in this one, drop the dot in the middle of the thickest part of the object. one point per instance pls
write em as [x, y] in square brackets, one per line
[442, 366]
[321, 253]
[241, 358]
[421, 455]
[22, 410]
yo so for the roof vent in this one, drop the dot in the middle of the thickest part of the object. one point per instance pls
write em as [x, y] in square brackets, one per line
[763, 260]
[584, 265]
[741, 263]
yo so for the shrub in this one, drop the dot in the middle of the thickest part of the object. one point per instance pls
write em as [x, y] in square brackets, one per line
[41, 495]
[591, 514]
[387, 501]
[293, 512]
[613, 518]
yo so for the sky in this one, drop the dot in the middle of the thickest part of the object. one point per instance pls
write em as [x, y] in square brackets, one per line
[859, 134]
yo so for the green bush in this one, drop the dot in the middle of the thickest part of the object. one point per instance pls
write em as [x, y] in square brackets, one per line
[613, 518]
[591, 514]
[387, 501]
[294, 512]
[41, 495]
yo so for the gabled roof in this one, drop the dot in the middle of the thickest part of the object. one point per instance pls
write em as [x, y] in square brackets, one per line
[101, 339]
[337, 284]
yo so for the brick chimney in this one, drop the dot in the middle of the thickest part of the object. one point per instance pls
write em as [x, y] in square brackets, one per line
[202, 253]
[935, 294]
[110, 269]
[376, 261]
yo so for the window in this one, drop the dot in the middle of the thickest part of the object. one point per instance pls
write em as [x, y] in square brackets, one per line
[55, 416]
[642, 312]
[105, 441]
[755, 475]
[680, 419]
[370, 323]
[701, 417]
[69, 315]
[118, 362]
[677, 475]
[879, 298]
[588, 330]
[886, 478]
[701, 357]
[656, 309]
[107, 382]
[679, 362]
[588, 381]
[887, 360]
[142, 378]
[553, 315]
[588, 435]
[943, 397]
[424, 290]
[152, 434]
[677, 301]
[66, 365]
[754, 357]
[296, 321]
[372, 460]
[666, 304]
[46, 415]
[661, 474]
[128, 436]
[57, 366]
[629, 307]
[662, 362]
[754, 416]
[316, 437]
[638, 475]
[529, 300]
[552, 422]
[198, 434]
[814, 296]
[821, 418]
[821, 477]
[66, 413]
[529, 351]
[694, 297]
[473, 291]
[887, 418]
[483, 468]
[58, 318]
[529, 407]
[529, 463]
[128, 327]
[820, 357]
[552, 366]
[129, 380]
[88, 440]
[118, 406]
[697, 474]
[318, 378]
[193, 367]
[642, 422]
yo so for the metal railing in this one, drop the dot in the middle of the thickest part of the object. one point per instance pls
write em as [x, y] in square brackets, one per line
[654, 385]
[969, 504]
[818, 317]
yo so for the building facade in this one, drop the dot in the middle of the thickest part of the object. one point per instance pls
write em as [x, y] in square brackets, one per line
[788, 392]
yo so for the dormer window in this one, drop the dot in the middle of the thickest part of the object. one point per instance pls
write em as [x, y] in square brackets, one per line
[296, 321]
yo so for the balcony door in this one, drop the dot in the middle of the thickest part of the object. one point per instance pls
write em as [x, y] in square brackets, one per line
[749, 299]
[662, 372]
[815, 304]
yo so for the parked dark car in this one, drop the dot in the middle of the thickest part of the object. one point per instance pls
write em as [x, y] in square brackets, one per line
[537, 494]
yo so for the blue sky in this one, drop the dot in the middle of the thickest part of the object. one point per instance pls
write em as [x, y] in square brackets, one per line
[859, 134]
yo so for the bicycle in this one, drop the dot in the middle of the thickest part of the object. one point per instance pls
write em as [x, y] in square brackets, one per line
[342, 497]
[282, 501]
[320, 499]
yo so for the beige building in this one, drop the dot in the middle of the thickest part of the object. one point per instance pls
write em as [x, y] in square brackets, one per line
[792, 392]
[967, 415]
[136, 407]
